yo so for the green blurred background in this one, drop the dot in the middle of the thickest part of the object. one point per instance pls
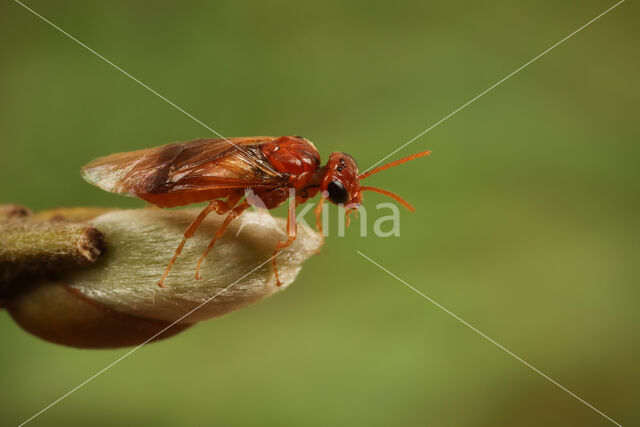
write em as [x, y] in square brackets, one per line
[527, 222]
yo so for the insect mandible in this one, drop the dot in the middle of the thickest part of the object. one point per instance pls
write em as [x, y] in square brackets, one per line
[222, 171]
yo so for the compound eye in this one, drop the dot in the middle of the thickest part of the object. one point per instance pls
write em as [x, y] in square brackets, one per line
[337, 193]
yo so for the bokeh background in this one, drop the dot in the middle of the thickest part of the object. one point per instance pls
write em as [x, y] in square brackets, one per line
[527, 222]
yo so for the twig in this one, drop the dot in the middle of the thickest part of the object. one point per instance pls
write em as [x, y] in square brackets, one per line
[32, 248]
[58, 286]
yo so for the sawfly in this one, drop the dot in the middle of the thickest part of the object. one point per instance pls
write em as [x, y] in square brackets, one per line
[224, 172]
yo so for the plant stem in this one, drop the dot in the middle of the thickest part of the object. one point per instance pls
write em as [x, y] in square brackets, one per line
[33, 248]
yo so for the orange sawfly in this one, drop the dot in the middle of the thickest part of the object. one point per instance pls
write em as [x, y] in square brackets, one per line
[222, 171]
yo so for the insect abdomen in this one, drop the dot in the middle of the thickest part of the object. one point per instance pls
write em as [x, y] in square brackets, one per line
[184, 198]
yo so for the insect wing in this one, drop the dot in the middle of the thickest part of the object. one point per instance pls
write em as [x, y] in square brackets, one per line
[203, 163]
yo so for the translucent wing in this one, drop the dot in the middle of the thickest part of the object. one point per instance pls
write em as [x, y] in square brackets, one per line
[203, 164]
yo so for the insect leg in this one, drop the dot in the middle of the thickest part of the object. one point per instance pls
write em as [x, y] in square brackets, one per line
[292, 232]
[233, 214]
[189, 232]
[318, 212]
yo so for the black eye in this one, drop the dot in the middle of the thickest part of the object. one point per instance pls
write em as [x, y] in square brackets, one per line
[337, 193]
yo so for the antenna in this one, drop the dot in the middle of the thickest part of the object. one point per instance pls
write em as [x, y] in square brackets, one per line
[399, 199]
[394, 163]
